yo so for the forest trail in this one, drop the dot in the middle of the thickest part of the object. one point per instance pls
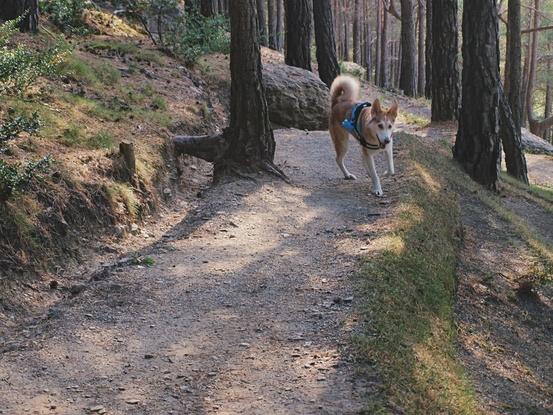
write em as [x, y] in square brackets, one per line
[249, 307]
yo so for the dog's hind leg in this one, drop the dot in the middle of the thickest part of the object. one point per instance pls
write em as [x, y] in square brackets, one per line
[371, 170]
[390, 159]
[340, 140]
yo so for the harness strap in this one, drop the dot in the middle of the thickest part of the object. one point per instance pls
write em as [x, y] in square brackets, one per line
[352, 125]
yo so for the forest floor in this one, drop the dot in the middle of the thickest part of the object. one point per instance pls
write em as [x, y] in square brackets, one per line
[251, 297]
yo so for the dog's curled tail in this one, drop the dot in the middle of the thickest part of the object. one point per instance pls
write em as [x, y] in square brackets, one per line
[344, 88]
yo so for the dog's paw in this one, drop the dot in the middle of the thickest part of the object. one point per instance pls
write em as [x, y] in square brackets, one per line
[350, 177]
[378, 193]
[389, 174]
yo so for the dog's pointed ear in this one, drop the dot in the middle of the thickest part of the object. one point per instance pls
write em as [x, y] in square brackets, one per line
[376, 107]
[392, 112]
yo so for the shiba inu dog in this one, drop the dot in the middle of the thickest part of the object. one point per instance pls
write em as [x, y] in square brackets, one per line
[369, 124]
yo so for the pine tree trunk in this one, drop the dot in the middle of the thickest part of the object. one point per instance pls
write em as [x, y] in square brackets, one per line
[368, 49]
[428, 53]
[407, 81]
[280, 24]
[384, 55]
[477, 144]
[262, 22]
[250, 139]
[207, 8]
[548, 135]
[272, 17]
[12, 9]
[445, 76]
[526, 74]
[298, 33]
[377, 54]
[356, 32]
[325, 41]
[510, 131]
[421, 62]
[346, 32]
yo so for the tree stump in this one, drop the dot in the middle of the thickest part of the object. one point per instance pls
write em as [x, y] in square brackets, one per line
[126, 151]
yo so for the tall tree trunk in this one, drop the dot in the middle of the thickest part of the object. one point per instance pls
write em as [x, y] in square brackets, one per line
[280, 24]
[510, 129]
[548, 135]
[407, 81]
[477, 144]
[356, 32]
[421, 62]
[262, 22]
[207, 8]
[298, 33]
[384, 55]
[378, 43]
[429, 52]
[526, 73]
[272, 18]
[346, 32]
[325, 41]
[368, 48]
[12, 9]
[445, 76]
[251, 141]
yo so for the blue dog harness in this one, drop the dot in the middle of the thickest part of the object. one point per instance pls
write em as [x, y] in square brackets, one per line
[351, 125]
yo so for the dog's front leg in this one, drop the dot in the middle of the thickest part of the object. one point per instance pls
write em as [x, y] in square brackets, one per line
[371, 170]
[390, 158]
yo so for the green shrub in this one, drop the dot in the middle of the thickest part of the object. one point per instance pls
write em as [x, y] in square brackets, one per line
[192, 36]
[67, 15]
[21, 66]
[16, 125]
[16, 177]
[103, 139]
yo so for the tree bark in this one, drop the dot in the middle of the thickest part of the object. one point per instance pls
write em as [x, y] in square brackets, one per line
[250, 139]
[384, 55]
[368, 48]
[477, 145]
[407, 81]
[548, 135]
[12, 9]
[356, 32]
[428, 52]
[445, 76]
[421, 77]
[510, 126]
[207, 8]
[280, 24]
[262, 22]
[272, 18]
[377, 54]
[325, 41]
[298, 33]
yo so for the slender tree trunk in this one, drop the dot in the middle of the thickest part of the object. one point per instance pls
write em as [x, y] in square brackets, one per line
[445, 76]
[378, 44]
[280, 24]
[272, 18]
[384, 55]
[298, 33]
[325, 41]
[510, 130]
[11, 9]
[357, 32]
[526, 74]
[429, 51]
[251, 142]
[368, 48]
[346, 32]
[262, 22]
[421, 59]
[548, 135]
[477, 145]
[407, 81]
[207, 8]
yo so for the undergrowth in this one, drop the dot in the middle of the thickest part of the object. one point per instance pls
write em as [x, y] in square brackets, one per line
[408, 286]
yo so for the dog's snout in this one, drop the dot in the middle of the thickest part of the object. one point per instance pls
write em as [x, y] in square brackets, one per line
[386, 141]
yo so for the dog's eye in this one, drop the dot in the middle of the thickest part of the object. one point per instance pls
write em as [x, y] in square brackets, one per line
[381, 126]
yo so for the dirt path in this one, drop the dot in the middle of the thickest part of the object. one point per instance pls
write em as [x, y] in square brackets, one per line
[248, 308]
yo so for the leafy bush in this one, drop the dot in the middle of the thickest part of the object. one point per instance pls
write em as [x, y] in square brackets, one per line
[16, 125]
[194, 35]
[67, 15]
[15, 178]
[20, 66]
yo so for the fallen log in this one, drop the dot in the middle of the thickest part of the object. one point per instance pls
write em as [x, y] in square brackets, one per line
[207, 147]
